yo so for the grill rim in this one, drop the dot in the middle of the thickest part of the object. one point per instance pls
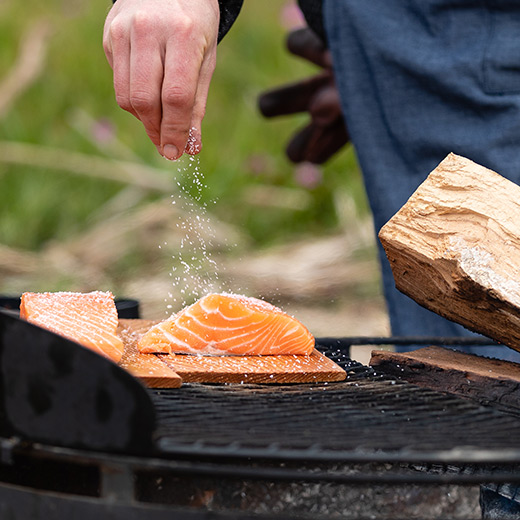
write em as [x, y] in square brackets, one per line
[265, 470]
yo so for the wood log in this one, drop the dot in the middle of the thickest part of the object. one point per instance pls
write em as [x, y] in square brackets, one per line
[475, 377]
[454, 248]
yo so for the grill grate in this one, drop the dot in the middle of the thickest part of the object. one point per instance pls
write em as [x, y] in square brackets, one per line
[368, 417]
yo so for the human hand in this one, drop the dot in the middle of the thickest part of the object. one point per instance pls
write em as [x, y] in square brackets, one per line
[326, 133]
[163, 54]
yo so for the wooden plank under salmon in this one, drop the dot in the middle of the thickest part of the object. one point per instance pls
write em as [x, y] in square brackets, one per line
[242, 369]
[149, 369]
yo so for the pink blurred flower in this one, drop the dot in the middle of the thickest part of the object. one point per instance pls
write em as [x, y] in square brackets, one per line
[259, 165]
[308, 175]
[291, 16]
[103, 130]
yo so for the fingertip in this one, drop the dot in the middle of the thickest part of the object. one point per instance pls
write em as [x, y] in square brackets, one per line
[170, 152]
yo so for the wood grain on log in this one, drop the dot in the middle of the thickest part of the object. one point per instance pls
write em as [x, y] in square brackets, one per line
[454, 247]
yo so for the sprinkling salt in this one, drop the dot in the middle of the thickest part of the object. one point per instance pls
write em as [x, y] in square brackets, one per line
[194, 271]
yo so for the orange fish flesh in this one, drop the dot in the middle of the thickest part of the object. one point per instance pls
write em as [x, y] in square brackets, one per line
[87, 318]
[229, 324]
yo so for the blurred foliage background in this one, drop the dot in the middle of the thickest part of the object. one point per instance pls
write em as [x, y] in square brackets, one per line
[242, 160]
[82, 186]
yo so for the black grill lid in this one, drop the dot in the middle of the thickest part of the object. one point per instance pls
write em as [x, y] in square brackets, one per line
[56, 391]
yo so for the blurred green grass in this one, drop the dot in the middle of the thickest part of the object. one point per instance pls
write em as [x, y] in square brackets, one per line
[241, 150]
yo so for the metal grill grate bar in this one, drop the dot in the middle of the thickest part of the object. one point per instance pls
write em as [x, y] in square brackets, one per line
[367, 414]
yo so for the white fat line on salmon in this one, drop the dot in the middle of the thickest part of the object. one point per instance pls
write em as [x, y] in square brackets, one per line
[206, 308]
[209, 347]
[293, 330]
[286, 338]
[62, 308]
[176, 341]
[195, 318]
[256, 332]
[86, 330]
[267, 339]
[225, 326]
[258, 304]
[218, 311]
[97, 335]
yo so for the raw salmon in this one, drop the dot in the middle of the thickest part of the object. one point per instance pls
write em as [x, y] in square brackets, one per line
[229, 324]
[88, 318]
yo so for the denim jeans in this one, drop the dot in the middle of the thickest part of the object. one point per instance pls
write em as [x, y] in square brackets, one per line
[419, 79]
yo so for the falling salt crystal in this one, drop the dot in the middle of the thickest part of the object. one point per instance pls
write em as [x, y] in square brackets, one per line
[194, 247]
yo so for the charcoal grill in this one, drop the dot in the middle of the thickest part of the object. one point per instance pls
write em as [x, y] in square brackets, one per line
[212, 444]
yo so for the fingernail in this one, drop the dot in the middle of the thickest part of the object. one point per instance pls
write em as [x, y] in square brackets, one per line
[170, 152]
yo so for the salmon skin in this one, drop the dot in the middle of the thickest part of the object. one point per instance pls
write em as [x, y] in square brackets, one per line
[229, 324]
[87, 318]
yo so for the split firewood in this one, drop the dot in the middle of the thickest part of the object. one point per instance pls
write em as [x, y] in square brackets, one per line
[454, 247]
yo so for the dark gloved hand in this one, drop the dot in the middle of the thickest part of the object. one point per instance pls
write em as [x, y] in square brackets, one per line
[326, 133]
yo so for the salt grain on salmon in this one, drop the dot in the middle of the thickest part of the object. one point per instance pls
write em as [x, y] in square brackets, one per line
[229, 324]
[87, 318]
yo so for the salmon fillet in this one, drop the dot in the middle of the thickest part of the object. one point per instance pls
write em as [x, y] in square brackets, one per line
[88, 318]
[228, 324]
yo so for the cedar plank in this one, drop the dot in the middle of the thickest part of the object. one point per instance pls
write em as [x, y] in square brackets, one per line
[255, 369]
[150, 370]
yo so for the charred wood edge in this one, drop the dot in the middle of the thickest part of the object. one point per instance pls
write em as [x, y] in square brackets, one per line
[430, 467]
[482, 389]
